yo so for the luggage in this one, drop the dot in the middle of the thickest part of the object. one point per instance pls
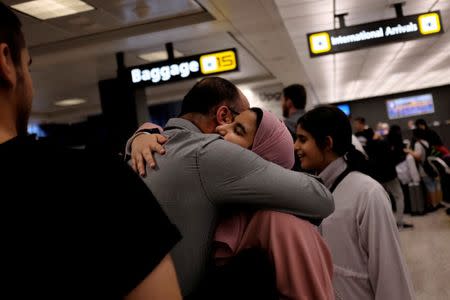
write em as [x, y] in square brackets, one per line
[417, 199]
[439, 196]
[443, 186]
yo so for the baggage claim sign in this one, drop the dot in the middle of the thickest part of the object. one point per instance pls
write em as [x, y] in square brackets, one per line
[183, 68]
[376, 33]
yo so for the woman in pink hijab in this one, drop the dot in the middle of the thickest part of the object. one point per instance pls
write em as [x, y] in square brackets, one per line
[301, 258]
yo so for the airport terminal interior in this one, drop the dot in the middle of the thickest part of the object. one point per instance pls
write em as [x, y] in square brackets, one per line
[102, 68]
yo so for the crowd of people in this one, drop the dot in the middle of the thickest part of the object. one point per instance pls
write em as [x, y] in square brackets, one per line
[402, 166]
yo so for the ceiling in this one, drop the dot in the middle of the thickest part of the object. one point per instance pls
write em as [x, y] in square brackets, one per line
[392, 68]
[71, 54]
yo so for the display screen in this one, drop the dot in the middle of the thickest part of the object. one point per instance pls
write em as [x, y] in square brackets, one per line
[345, 108]
[410, 106]
[36, 130]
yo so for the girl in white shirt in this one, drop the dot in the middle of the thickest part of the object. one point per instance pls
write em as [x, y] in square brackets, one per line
[361, 233]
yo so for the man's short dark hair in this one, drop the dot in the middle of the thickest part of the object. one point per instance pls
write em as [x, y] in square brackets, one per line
[11, 32]
[297, 94]
[209, 93]
[360, 120]
[421, 122]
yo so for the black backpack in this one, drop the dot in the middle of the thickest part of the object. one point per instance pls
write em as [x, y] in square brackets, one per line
[427, 167]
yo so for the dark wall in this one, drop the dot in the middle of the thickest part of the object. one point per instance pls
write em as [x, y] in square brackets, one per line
[91, 134]
[119, 113]
[374, 111]
[161, 113]
[95, 133]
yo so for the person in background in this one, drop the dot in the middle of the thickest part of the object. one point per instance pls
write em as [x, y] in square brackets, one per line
[293, 103]
[361, 233]
[358, 145]
[383, 169]
[406, 168]
[73, 226]
[355, 140]
[398, 156]
[362, 131]
[418, 150]
[433, 139]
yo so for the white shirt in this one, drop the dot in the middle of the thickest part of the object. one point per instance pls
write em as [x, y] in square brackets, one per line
[363, 239]
[418, 148]
[358, 145]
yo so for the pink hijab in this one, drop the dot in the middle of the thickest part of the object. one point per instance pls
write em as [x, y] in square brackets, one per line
[273, 142]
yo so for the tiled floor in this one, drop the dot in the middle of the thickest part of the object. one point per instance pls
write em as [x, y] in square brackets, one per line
[427, 252]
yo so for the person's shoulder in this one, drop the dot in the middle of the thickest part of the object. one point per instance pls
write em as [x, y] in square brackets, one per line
[362, 183]
[188, 136]
[368, 193]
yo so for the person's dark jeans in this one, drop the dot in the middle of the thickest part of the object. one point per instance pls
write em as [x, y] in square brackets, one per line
[249, 275]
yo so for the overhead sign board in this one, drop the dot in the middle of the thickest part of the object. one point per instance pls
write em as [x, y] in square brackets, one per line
[183, 68]
[375, 33]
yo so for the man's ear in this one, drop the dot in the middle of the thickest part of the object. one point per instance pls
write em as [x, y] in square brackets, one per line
[224, 115]
[7, 68]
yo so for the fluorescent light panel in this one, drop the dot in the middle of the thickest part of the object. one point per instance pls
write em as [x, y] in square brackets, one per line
[48, 9]
[158, 55]
[70, 102]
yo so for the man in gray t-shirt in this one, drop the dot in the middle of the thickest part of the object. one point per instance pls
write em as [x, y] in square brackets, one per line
[293, 102]
[201, 172]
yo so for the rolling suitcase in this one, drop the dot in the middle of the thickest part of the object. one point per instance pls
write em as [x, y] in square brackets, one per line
[417, 198]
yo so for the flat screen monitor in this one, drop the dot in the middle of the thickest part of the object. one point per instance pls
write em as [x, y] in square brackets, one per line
[36, 130]
[345, 108]
[410, 106]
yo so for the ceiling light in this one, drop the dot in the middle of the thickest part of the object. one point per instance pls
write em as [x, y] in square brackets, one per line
[142, 9]
[158, 55]
[70, 102]
[48, 9]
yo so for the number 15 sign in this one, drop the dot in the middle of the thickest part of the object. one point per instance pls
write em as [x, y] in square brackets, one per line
[183, 68]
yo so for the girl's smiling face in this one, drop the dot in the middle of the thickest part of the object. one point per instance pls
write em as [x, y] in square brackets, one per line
[310, 155]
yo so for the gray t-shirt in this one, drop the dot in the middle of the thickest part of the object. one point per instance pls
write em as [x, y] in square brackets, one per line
[291, 122]
[201, 172]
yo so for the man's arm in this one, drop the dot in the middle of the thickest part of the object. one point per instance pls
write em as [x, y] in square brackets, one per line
[231, 174]
[161, 284]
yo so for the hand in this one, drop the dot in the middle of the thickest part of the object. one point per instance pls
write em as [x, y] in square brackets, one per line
[142, 149]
